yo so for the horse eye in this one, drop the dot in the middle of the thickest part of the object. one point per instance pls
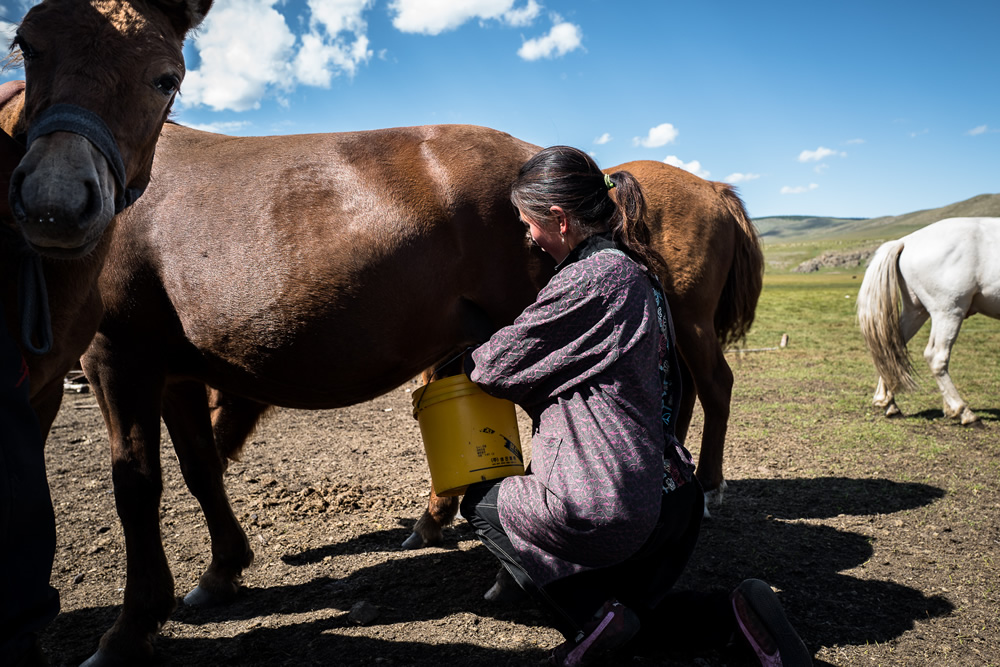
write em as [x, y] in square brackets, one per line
[167, 84]
[27, 52]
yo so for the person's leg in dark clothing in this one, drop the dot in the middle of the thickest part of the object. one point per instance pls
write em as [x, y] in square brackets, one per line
[27, 522]
[703, 618]
[749, 619]
[479, 508]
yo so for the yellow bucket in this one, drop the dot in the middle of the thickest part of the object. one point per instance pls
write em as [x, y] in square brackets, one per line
[469, 436]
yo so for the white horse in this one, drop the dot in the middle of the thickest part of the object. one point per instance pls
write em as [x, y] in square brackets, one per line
[948, 271]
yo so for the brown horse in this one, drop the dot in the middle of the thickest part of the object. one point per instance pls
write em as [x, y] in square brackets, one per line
[90, 117]
[321, 271]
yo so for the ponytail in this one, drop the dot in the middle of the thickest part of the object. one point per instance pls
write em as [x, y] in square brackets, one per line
[593, 201]
[628, 224]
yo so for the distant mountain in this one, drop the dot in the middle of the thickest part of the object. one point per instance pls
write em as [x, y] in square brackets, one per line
[799, 228]
[804, 243]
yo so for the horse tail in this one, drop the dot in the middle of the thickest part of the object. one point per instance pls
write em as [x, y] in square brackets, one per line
[738, 302]
[879, 309]
[234, 420]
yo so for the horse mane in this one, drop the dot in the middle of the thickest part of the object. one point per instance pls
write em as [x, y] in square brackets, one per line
[14, 60]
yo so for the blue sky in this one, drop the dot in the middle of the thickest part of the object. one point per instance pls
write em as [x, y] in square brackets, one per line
[854, 109]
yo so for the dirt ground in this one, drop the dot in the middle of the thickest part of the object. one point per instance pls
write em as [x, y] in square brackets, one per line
[893, 564]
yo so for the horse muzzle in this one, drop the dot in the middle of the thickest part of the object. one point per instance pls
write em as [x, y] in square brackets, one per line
[70, 183]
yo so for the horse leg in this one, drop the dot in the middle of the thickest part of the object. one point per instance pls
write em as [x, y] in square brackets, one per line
[885, 399]
[944, 331]
[713, 380]
[186, 415]
[441, 510]
[128, 393]
[685, 411]
[428, 531]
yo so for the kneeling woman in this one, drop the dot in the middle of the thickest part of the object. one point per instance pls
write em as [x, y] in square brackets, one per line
[603, 524]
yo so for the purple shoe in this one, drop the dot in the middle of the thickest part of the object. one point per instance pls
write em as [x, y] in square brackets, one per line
[612, 627]
[765, 627]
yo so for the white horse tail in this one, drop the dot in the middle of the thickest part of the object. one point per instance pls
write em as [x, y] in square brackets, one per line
[879, 309]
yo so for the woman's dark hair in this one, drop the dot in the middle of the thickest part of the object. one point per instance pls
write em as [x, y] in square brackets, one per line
[569, 178]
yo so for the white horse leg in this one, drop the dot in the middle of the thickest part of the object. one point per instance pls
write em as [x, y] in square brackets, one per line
[944, 331]
[885, 399]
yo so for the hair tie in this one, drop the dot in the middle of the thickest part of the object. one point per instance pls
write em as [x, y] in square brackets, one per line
[608, 182]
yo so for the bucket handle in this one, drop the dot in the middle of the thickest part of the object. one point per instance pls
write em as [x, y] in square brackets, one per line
[416, 408]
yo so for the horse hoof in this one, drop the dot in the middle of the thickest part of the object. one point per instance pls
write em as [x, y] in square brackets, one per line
[893, 411]
[969, 418]
[103, 659]
[202, 597]
[505, 590]
[414, 541]
[713, 497]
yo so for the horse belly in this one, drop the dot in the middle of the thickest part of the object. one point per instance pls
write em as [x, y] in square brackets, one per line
[325, 356]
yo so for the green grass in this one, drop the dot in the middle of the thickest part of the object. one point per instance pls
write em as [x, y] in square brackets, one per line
[819, 387]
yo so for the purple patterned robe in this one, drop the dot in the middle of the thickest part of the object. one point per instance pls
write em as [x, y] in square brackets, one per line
[583, 362]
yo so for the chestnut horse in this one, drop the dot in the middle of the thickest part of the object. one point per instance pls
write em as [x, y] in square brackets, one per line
[320, 271]
[100, 77]
[90, 118]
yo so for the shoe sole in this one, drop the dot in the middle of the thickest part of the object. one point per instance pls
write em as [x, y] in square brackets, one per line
[758, 598]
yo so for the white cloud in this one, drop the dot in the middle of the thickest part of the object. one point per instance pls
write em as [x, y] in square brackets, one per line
[524, 16]
[432, 17]
[914, 135]
[740, 178]
[852, 142]
[239, 68]
[7, 31]
[981, 129]
[336, 43]
[818, 154]
[603, 139]
[319, 60]
[562, 38]
[661, 135]
[797, 190]
[222, 127]
[694, 166]
[336, 16]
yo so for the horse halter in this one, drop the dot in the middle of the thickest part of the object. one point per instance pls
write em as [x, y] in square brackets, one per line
[75, 119]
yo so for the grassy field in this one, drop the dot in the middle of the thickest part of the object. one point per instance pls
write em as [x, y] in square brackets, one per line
[817, 311]
[883, 534]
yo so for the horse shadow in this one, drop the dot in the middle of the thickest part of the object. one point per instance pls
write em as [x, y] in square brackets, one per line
[766, 530]
[985, 415]
[389, 539]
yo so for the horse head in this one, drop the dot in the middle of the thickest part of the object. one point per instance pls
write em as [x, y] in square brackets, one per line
[101, 77]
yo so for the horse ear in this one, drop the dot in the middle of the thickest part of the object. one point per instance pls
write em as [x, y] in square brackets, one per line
[197, 10]
[184, 14]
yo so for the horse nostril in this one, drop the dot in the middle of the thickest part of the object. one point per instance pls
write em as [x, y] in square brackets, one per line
[14, 194]
[95, 200]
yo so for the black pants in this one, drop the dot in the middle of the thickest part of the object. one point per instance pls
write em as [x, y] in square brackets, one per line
[644, 582]
[27, 523]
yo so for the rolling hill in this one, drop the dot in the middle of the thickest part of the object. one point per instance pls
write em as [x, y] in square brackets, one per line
[792, 241]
